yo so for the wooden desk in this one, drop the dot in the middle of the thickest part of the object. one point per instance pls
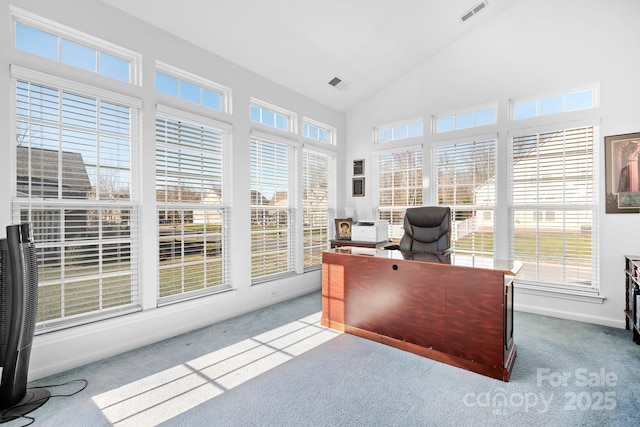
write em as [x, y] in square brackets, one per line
[451, 308]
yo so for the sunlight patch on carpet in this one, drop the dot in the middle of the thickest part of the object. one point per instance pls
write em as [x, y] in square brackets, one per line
[164, 395]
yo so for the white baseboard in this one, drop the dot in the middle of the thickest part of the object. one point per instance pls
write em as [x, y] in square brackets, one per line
[70, 348]
[579, 317]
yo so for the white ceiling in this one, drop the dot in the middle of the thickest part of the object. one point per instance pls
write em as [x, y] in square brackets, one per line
[303, 44]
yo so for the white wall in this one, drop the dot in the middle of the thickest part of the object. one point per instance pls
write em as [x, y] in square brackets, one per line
[534, 46]
[57, 351]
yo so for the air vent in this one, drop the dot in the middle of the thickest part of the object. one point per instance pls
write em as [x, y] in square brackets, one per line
[475, 9]
[479, 7]
[338, 82]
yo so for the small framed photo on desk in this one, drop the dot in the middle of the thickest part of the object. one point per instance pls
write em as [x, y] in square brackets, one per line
[343, 228]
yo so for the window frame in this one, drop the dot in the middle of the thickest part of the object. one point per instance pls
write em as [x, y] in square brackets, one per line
[591, 290]
[195, 121]
[464, 111]
[331, 131]
[396, 212]
[293, 258]
[62, 32]
[226, 98]
[292, 118]
[477, 208]
[309, 249]
[132, 205]
[564, 92]
[392, 127]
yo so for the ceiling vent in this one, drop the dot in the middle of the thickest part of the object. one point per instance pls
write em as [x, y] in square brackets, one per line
[475, 9]
[338, 82]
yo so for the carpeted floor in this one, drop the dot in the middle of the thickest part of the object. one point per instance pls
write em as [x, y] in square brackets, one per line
[278, 367]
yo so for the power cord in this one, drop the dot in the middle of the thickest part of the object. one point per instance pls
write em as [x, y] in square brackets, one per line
[6, 416]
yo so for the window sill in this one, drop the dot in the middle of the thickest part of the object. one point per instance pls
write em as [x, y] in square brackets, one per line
[590, 296]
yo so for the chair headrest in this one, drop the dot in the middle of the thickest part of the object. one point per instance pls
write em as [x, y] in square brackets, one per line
[427, 229]
[427, 216]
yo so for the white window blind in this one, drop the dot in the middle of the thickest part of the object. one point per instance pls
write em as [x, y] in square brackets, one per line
[554, 207]
[273, 239]
[318, 170]
[193, 216]
[466, 183]
[74, 185]
[399, 181]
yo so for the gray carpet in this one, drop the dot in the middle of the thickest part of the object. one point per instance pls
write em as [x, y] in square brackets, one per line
[278, 367]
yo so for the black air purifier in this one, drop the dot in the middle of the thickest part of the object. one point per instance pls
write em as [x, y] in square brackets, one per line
[18, 309]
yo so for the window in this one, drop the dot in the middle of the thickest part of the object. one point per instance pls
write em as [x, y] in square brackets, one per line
[318, 211]
[55, 42]
[397, 131]
[273, 239]
[466, 173]
[191, 179]
[554, 206]
[399, 182]
[272, 116]
[75, 184]
[189, 87]
[466, 119]
[570, 100]
[318, 132]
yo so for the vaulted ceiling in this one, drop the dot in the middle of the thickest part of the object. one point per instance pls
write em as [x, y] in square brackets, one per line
[304, 44]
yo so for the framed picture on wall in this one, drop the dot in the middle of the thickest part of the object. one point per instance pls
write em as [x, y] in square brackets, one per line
[357, 187]
[622, 173]
[358, 167]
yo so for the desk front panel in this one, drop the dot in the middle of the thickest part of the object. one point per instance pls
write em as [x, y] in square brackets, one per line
[389, 297]
[475, 315]
[455, 314]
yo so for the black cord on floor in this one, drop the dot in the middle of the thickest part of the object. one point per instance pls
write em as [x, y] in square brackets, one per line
[48, 387]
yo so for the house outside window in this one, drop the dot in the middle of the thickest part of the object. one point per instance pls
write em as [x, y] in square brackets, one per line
[273, 215]
[554, 206]
[192, 170]
[75, 185]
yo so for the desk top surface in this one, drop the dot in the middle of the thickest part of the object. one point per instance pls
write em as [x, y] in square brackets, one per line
[449, 258]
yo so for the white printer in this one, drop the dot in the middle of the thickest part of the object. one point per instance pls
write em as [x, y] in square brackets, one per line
[370, 231]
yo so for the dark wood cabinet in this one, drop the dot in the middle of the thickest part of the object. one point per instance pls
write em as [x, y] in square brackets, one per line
[632, 296]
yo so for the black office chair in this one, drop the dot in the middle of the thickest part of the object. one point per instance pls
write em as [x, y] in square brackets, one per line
[427, 229]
